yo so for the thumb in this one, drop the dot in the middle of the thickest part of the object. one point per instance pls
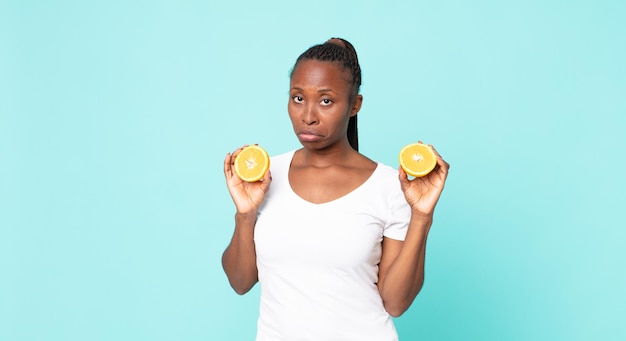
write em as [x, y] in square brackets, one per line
[404, 179]
[267, 179]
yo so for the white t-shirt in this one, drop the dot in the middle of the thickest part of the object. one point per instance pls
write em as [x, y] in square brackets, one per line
[318, 263]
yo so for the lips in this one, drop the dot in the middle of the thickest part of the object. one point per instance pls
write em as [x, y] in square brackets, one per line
[309, 135]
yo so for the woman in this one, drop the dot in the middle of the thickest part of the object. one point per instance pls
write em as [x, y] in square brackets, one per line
[336, 241]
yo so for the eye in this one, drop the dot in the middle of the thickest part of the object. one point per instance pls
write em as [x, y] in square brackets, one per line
[326, 101]
[297, 99]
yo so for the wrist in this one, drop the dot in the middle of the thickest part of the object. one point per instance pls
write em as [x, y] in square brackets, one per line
[421, 218]
[243, 217]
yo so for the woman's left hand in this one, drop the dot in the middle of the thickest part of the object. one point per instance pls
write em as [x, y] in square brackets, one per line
[423, 193]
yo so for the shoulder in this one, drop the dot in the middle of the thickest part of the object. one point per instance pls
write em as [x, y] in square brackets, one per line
[281, 162]
[282, 158]
[387, 173]
[383, 175]
[385, 180]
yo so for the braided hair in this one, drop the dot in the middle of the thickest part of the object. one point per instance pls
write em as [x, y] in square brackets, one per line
[339, 50]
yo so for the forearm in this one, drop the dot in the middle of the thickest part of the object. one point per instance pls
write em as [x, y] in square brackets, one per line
[239, 258]
[405, 277]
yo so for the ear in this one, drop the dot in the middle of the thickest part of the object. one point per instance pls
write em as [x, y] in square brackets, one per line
[356, 105]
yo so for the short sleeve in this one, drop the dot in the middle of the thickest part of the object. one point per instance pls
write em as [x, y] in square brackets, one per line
[398, 217]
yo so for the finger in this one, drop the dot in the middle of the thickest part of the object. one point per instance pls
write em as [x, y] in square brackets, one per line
[441, 170]
[237, 151]
[267, 179]
[440, 161]
[403, 177]
[268, 176]
[443, 164]
[435, 151]
[227, 165]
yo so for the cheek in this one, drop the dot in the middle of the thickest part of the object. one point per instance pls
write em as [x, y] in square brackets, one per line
[292, 113]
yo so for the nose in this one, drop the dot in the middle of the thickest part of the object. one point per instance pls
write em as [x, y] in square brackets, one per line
[309, 116]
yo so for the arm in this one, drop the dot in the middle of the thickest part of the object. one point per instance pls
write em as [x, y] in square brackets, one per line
[239, 258]
[401, 269]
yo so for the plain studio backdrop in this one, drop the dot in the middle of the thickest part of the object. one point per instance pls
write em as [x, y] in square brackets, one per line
[115, 117]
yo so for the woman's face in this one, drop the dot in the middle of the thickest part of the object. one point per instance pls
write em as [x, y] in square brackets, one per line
[320, 104]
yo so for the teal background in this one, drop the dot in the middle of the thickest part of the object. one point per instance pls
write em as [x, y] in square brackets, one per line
[115, 117]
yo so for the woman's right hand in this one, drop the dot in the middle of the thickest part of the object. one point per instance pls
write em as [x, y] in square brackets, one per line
[248, 196]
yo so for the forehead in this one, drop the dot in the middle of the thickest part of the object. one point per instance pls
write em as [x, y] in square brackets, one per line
[320, 73]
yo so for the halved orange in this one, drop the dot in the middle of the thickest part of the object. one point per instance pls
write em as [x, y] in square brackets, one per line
[252, 163]
[417, 159]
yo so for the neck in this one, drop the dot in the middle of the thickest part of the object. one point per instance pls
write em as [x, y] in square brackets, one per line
[327, 156]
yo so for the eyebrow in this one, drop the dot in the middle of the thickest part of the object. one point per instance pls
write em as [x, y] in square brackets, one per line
[320, 90]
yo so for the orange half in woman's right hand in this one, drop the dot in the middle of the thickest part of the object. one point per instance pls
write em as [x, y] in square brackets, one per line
[252, 163]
